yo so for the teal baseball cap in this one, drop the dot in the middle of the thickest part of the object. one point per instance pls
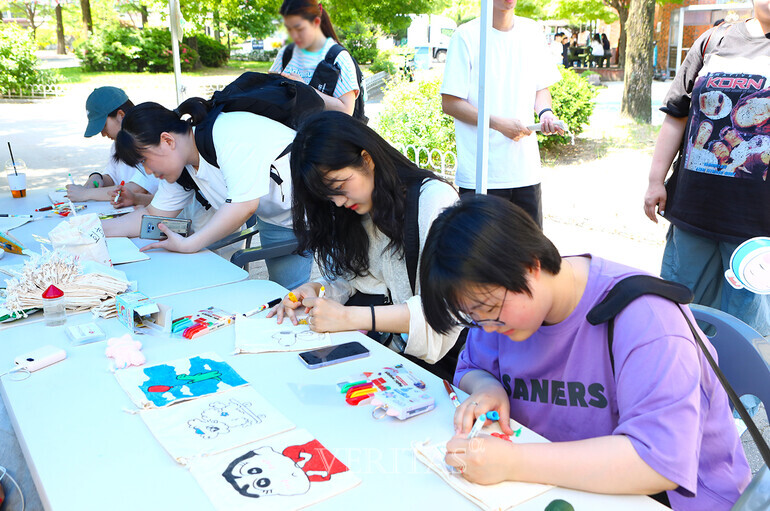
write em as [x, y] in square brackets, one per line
[100, 103]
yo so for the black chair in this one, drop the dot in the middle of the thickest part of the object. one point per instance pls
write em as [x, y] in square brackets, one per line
[246, 255]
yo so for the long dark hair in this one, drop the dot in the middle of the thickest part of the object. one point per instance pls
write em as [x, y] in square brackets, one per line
[310, 10]
[481, 240]
[332, 141]
[144, 123]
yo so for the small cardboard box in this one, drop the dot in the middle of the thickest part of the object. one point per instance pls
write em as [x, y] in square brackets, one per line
[135, 310]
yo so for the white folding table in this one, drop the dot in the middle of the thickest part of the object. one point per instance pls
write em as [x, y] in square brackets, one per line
[86, 452]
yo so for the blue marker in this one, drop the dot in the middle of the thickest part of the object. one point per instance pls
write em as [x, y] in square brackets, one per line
[480, 420]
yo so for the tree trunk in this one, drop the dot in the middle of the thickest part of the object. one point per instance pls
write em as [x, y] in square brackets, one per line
[623, 18]
[637, 78]
[61, 48]
[143, 10]
[30, 9]
[85, 7]
[217, 35]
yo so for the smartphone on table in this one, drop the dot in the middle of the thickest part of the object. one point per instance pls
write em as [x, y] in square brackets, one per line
[149, 229]
[333, 354]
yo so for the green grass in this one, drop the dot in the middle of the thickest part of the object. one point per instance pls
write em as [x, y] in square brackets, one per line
[235, 67]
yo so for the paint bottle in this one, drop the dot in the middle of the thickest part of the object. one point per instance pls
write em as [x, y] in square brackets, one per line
[53, 306]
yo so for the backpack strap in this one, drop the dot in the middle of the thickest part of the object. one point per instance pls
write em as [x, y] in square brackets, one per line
[287, 54]
[721, 29]
[625, 292]
[188, 183]
[412, 230]
[274, 175]
[333, 52]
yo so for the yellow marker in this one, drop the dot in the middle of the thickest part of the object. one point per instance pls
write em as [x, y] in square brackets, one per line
[291, 296]
[322, 292]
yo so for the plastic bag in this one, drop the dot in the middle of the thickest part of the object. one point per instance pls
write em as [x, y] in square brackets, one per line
[82, 236]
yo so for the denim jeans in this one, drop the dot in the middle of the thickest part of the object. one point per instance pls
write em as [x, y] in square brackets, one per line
[700, 263]
[291, 270]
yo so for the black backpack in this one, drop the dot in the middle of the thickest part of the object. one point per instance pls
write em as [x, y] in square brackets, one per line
[327, 73]
[269, 95]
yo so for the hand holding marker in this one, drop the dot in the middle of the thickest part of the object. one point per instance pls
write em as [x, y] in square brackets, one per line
[480, 420]
[117, 196]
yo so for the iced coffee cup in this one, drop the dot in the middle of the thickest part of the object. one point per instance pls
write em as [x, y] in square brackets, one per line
[17, 178]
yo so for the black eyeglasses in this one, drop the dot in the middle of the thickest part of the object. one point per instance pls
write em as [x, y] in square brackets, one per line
[469, 321]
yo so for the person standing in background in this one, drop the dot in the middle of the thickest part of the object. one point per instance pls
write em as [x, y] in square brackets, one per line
[517, 88]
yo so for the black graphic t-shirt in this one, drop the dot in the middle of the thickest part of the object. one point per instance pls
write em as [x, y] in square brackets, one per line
[721, 189]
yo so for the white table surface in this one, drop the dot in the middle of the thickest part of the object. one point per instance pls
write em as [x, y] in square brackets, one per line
[86, 452]
[165, 273]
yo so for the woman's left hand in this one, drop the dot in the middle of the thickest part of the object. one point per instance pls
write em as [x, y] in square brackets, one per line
[483, 459]
[174, 243]
[327, 315]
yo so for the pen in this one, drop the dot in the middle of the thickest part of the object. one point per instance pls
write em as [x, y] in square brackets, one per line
[48, 208]
[452, 394]
[117, 196]
[480, 420]
[271, 303]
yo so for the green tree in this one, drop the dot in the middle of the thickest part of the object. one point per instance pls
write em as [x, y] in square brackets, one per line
[391, 15]
[460, 11]
[32, 11]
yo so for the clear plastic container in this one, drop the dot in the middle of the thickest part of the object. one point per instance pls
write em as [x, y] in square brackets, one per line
[53, 306]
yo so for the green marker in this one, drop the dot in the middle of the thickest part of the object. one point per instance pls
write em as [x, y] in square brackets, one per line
[96, 183]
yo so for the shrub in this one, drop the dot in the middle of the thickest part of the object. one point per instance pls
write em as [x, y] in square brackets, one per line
[383, 62]
[18, 61]
[125, 49]
[212, 52]
[411, 115]
[361, 42]
[573, 103]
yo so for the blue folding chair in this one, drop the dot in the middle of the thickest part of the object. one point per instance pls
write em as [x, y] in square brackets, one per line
[744, 355]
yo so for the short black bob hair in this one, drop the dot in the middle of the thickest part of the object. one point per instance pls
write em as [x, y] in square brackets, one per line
[481, 240]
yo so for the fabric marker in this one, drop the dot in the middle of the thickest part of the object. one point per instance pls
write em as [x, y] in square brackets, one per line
[72, 181]
[480, 420]
[452, 394]
[117, 196]
[322, 292]
[271, 303]
[6, 215]
[49, 208]
[291, 296]
[96, 183]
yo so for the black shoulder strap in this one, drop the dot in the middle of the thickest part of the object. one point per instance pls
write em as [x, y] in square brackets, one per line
[331, 55]
[631, 288]
[718, 31]
[625, 292]
[188, 183]
[287, 54]
[412, 230]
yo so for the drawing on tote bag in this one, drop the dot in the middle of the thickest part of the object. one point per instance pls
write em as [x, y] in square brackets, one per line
[178, 380]
[215, 423]
[288, 471]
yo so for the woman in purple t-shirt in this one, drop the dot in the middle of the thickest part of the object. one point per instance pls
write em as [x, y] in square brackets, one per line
[658, 423]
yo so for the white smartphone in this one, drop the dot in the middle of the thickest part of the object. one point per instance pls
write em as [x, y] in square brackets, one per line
[40, 358]
[149, 228]
[333, 354]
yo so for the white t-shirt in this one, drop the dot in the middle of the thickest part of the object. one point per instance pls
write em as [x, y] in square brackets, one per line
[520, 65]
[119, 171]
[303, 64]
[246, 145]
[597, 50]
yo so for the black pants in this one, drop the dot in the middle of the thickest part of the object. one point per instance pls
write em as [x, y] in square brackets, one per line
[526, 197]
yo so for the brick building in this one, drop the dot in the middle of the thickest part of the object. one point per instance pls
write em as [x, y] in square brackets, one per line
[698, 16]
